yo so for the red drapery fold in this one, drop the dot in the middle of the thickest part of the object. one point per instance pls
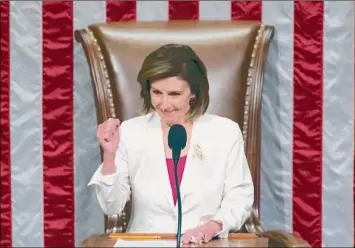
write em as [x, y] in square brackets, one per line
[120, 11]
[5, 204]
[183, 10]
[246, 10]
[57, 104]
[307, 120]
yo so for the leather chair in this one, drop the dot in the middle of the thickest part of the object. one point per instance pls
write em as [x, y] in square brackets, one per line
[234, 54]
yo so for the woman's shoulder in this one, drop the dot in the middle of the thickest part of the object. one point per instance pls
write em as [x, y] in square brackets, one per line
[138, 120]
[133, 127]
[220, 124]
[219, 133]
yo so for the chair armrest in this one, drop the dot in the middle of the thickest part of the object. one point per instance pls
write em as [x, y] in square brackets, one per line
[283, 239]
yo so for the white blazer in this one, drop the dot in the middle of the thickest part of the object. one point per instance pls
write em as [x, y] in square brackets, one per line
[216, 183]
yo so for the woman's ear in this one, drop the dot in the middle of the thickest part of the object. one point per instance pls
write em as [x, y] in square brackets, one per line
[192, 100]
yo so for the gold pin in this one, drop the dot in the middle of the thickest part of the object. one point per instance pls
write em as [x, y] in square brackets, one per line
[198, 152]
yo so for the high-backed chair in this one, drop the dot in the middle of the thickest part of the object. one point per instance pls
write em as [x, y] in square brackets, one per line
[234, 54]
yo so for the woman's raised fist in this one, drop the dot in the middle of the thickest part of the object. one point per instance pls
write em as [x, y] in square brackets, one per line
[108, 135]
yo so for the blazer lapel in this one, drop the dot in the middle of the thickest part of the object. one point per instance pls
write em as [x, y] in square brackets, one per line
[190, 187]
[160, 171]
[191, 183]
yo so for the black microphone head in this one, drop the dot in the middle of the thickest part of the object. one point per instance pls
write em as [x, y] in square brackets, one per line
[177, 137]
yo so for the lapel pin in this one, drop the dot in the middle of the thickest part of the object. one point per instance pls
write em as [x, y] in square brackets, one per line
[198, 152]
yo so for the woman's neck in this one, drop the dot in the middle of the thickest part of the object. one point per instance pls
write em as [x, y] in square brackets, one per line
[185, 123]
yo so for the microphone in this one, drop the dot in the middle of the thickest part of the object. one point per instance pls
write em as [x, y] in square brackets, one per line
[177, 141]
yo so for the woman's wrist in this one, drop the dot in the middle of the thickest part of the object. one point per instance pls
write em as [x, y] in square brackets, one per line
[217, 225]
[109, 157]
[108, 163]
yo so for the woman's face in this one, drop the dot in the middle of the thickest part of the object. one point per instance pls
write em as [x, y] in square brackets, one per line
[171, 99]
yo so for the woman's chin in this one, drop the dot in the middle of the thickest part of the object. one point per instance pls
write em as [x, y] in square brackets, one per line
[171, 120]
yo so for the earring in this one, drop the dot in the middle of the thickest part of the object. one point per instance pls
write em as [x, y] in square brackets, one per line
[192, 101]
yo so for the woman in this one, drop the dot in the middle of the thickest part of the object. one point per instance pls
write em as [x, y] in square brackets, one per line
[215, 182]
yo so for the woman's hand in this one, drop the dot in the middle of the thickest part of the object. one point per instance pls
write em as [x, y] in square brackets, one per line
[202, 234]
[108, 135]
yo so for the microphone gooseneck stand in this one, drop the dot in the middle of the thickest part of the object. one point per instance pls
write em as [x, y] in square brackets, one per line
[178, 238]
[177, 138]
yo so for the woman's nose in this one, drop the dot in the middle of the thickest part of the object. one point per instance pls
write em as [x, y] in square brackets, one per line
[164, 104]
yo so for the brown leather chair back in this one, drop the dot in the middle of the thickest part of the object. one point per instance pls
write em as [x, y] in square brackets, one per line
[233, 52]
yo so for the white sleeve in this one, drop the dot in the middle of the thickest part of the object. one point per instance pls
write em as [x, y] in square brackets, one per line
[238, 194]
[113, 191]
